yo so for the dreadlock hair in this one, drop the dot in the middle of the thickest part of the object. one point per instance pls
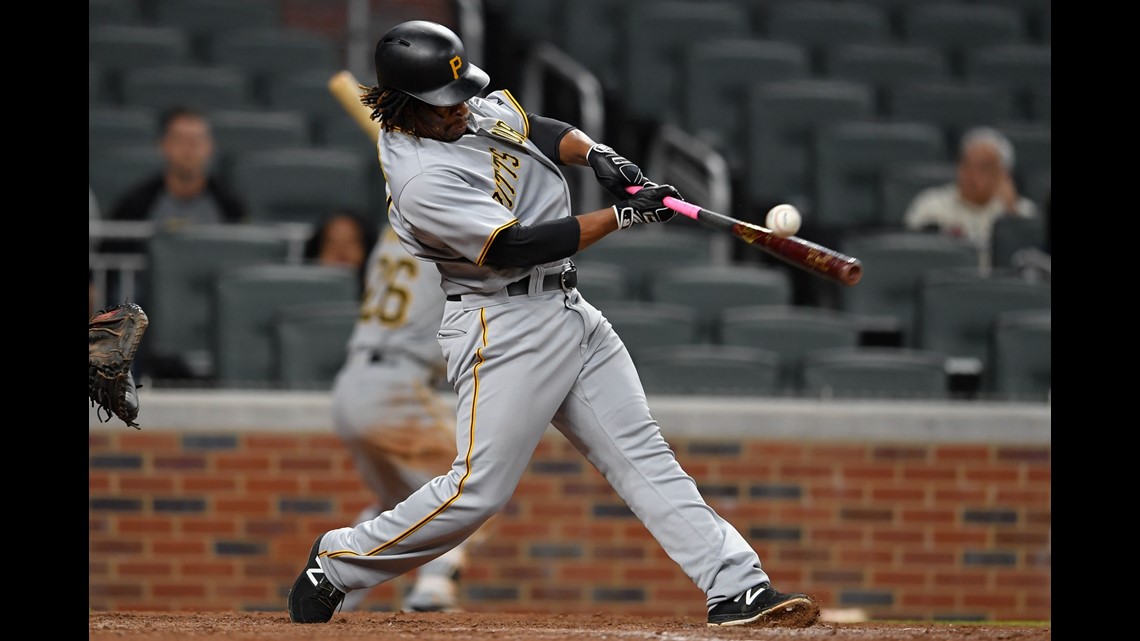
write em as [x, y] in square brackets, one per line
[395, 110]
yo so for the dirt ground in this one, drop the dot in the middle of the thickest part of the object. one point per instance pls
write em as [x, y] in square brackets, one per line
[275, 626]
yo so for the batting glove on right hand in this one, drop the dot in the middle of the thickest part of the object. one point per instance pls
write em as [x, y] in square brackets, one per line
[646, 206]
[615, 172]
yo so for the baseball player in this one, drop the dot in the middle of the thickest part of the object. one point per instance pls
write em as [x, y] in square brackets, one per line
[475, 188]
[385, 408]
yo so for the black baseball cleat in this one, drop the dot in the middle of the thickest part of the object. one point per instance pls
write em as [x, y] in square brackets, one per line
[313, 599]
[762, 605]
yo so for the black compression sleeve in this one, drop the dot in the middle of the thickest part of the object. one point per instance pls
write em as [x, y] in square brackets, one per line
[547, 133]
[526, 246]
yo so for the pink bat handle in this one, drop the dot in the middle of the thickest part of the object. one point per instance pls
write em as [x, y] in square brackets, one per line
[679, 206]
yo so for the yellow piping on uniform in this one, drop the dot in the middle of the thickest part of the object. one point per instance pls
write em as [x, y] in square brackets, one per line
[518, 107]
[491, 239]
[466, 460]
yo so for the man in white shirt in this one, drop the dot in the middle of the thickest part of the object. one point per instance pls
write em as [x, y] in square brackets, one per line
[983, 192]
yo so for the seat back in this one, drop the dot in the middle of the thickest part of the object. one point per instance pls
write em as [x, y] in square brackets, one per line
[708, 290]
[248, 302]
[311, 342]
[647, 327]
[299, 184]
[1020, 366]
[876, 372]
[710, 370]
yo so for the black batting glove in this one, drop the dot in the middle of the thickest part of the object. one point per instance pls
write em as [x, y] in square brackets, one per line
[646, 206]
[615, 172]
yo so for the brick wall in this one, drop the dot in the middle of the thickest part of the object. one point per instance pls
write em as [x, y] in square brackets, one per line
[222, 521]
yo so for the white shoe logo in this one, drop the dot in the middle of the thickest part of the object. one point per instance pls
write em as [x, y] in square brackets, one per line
[312, 572]
[749, 597]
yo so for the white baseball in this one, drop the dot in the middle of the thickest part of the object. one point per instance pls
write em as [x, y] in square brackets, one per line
[784, 220]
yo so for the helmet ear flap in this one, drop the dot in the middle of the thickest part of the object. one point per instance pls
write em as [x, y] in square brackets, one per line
[427, 61]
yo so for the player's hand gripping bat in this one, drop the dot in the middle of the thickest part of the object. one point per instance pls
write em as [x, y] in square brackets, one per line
[797, 252]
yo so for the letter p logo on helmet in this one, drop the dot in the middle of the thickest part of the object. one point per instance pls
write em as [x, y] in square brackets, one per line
[456, 64]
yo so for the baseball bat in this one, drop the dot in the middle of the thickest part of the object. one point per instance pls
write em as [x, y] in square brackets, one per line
[793, 250]
[347, 91]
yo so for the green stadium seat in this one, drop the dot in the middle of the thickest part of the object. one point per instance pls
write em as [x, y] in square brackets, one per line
[789, 332]
[885, 66]
[710, 370]
[589, 31]
[959, 27]
[248, 301]
[267, 53]
[203, 88]
[1011, 234]
[709, 289]
[113, 12]
[602, 283]
[98, 87]
[647, 252]
[1020, 356]
[895, 373]
[110, 128]
[299, 185]
[820, 25]
[121, 49]
[954, 107]
[1033, 149]
[1024, 69]
[112, 172]
[902, 182]
[647, 327]
[307, 91]
[238, 132]
[1035, 15]
[205, 20]
[311, 342]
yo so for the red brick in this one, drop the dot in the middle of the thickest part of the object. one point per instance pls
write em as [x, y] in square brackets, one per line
[556, 593]
[740, 512]
[1023, 579]
[1038, 475]
[928, 558]
[524, 572]
[308, 463]
[98, 482]
[931, 472]
[522, 530]
[145, 525]
[211, 526]
[243, 591]
[1042, 518]
[975, 453]
[958, 495]
[335, 486]
[209, 484]
[271, 442]
[1041, 602]
[535, 487]
[696, 469]
[774, 451]
[1021, 538]
[836, 534]
[797, 514]
[975, 580]
[743, 471]
[1023, 496]
[660, 573]
[107, 589]
[98, 568]
[803, 554]
[898, 453]
[898, 494]
[145, 483]
[179, 548]
[961, 537]
[179, 590]
[887, 578]
[841, 493]
[149, 442]
[869, 472]
[546, 510]
[837, 453]
[588, 530]
[920, 599]
[209, 568]
[242, 462]
[938, 517]
[991, 475]
[636, 532]
[143, 568]
[804, 471]
[98, 525]
[589, 572]
[979, 600]
[1028, 455]
[273, 485]
[323, 442]
[115, 546]
[244, 506]
[897, 535]
[98, 441]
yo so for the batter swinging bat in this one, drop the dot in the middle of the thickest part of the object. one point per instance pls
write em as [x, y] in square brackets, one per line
[797, 252]
[347, 91]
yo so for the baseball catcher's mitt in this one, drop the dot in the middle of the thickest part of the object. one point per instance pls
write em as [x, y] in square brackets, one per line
[114, 336]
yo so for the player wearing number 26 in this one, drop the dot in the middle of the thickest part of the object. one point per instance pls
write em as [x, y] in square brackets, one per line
[477, 193]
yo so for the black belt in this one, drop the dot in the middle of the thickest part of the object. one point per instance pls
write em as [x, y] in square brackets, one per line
[565, 280]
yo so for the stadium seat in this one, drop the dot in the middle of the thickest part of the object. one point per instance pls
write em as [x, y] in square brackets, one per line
[956, 311]
[819, 25]
[902, 182]
[300, 184]
[267, 53]
[1041, 106]
[121, 49]
[1020, 354]
[98, 87]
[709, 370]
[782, 121]
[533, 20]
[114, 171]
[876, 373]
[709, 289]
[113, 12]
[182, 267]
[1035, 15]
[656, 40]
[1024, 69]
[248, 300]
[952, 106]
[959, 27]
[590, 31]
[896, 12]
[885, 66]
[205, 20]
[1033, 149]
[715, 94]
[602, 283]
[647, 327]
[311, 342]
[238, 132]
[850, 161]
[789, 332]
[885, 299]
[308, 92]
[109, 128]
[647, 252]
[1011, 234]
[203, 88]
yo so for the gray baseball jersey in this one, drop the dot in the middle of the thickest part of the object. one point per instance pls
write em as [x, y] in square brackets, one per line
[520, 361]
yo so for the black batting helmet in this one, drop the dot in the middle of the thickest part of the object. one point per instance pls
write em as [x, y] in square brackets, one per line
[427, 61]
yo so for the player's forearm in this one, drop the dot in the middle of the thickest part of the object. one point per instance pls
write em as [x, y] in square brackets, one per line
[573, 147]
[595, 225]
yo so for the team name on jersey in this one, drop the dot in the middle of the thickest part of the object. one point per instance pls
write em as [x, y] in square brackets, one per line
[504, 131]
[505, 168]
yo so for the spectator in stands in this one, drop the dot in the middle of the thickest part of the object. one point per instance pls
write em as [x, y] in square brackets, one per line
[343, 238]
[984, 190]
[186, 192]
